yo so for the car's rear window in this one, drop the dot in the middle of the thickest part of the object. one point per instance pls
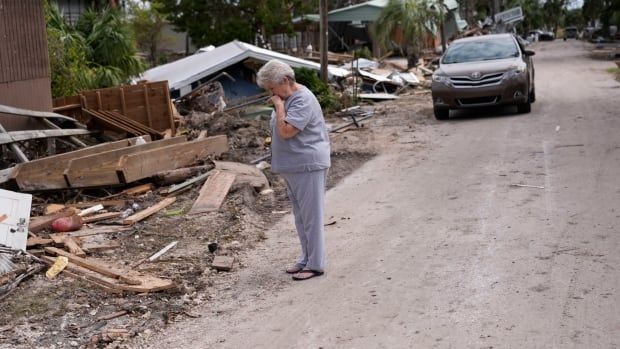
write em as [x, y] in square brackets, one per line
[482, 50]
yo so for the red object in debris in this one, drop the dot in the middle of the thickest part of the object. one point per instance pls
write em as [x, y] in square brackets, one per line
[70, 223]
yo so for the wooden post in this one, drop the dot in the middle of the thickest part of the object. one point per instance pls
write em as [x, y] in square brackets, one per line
[323, 32]
[123, 106]
[99, 104]
[147, 105]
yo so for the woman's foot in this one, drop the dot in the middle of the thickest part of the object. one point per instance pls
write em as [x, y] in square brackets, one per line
[306, 274]
[294, 269]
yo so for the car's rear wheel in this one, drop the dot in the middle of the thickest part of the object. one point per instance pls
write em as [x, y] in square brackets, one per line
[524, 108]
[441, 113]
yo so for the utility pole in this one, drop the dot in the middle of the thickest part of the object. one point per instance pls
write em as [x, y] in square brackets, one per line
[442, 19]
[323, 39]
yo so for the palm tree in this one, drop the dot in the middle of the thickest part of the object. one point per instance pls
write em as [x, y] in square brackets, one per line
[412, 20]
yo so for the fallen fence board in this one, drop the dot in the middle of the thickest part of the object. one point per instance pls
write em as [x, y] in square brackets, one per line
[48, 173]
[213, 192]
[100, 169]
[17, 136]
[149, 211]
[137, 166]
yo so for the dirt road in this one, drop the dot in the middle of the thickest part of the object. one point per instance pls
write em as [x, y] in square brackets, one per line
[433, 247]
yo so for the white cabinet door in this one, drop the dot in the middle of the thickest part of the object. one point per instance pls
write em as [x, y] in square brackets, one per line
[14, 218]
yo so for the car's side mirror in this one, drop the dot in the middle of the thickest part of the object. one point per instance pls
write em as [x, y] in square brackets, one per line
[529, 53]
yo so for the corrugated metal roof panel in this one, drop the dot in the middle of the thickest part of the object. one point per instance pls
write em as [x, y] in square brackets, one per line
[183, 72]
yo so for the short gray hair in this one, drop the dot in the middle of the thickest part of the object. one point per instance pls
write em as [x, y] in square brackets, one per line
[274, 72]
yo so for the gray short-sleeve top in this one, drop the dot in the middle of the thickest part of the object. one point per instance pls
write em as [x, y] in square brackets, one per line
[308, 150]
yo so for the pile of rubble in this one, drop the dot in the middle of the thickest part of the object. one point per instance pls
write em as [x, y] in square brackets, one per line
[151, 200]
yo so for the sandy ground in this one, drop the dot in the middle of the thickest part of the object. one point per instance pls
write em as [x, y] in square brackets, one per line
[432, 246]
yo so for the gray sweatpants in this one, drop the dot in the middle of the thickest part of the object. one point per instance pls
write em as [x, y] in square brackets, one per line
[307, 193]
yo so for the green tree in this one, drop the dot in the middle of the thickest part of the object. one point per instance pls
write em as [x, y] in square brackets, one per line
[69, 68]
[98, 52]
[217, 22]
[147, 23]
[112, 48]
[409, 18]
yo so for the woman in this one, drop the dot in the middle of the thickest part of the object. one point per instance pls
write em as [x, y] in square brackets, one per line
[300, 154]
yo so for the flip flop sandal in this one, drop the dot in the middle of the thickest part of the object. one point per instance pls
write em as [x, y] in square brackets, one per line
[306, 274]
[294, 269]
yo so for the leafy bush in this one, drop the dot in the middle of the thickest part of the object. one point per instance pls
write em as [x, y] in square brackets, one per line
[309, 78]
[99, 51]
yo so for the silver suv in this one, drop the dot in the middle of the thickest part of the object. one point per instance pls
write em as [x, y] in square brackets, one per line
[484, 71]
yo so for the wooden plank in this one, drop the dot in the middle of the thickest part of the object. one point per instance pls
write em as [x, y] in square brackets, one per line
[47, 173]
[32, 113]
[53, 208]
[93, 231]
[149, 211]
[34, 241]
[18, 136]
[105, 203]
[223, 263]
[140, 189]
[245, 173]
[149, 163]
[102, 217]
[213, 192]
[100, 169]
[75, 271]
[122, 122]
[42, 222]
[147, 106]
[122, 119]
[108, 123]
[94, 266]
[72, 245]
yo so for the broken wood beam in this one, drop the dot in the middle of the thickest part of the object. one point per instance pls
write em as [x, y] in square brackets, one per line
[149, 211]
[213, 192]
[146, 164]
[181, 174]
[94, 266]
[100, 169]
[48, 173]
[18, 136]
